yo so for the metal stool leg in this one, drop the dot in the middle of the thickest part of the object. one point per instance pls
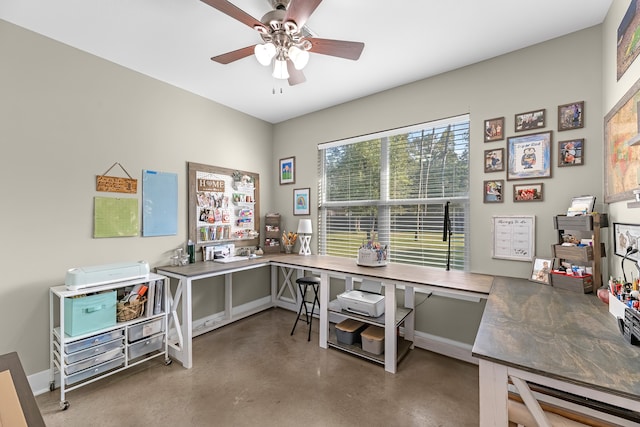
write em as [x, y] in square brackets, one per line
[303, 291]
[313, 306]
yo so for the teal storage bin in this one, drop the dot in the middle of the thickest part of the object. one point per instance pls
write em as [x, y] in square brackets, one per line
[89, 313]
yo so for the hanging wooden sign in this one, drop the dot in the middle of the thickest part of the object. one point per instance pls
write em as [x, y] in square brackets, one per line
[115, 184]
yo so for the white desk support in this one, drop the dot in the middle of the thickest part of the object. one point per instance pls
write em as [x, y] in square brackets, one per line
[180, 346]
[392, 277]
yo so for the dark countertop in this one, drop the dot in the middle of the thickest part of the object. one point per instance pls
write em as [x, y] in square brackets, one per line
[559, 334]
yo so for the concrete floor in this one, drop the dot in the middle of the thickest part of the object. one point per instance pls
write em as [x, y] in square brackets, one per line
[253, 373]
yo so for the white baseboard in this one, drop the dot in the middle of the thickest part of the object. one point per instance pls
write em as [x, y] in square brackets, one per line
[444, 346]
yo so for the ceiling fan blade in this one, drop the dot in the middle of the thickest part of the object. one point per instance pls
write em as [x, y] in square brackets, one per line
[339, 48]
[235, 12]
[229, 57]
[295, 76]
[300, 10]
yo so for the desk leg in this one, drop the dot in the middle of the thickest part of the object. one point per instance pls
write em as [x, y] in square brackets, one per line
[324, 309]
[228, 297]
[493, 394]
[390, 340]
[409, 322]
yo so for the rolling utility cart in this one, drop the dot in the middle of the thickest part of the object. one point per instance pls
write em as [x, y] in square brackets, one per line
[92, 335]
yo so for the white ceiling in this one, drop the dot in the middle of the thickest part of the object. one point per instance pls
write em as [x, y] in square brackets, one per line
[405, 41]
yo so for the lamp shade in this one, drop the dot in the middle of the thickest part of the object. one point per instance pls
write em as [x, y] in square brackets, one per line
[299, 57]
[280, 69]
[304, 226]
[264, 53]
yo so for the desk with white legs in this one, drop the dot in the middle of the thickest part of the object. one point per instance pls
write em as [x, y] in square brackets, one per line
[181, 347]
[538, 337]
[392, 276]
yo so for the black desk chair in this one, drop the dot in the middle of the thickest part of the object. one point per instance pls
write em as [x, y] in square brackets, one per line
[303, 285]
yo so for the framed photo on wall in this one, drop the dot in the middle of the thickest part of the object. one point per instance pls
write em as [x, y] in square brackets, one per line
[571, 153]
[493, 191]
[529, 156]
[288, 170]
[528, 192]
[626, 236]
[301, 201]
[494, 160]
[494, 129]
[531, 120]
[571, 116]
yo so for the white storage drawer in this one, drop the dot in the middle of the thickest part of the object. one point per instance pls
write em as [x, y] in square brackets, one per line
[96, 370]
[88, 363]
[145, 329]
[93, 351]
[94, 340]
[146, 346]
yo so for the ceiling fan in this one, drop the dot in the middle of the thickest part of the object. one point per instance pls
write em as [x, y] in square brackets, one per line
[287, 42]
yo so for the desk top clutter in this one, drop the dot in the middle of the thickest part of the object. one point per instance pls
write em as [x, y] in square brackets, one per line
[373, 254]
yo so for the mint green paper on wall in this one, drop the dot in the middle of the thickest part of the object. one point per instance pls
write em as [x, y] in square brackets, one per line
[115, 217]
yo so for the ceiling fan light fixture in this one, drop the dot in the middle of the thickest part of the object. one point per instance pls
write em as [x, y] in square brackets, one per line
[280, 69]
[291, 27]
[299, 57]
[264, 53]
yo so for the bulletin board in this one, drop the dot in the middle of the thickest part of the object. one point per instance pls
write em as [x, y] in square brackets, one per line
[513, 237]
[224, 206]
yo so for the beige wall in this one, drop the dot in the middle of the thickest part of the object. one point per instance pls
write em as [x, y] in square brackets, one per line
[613, 90]
[544, 76]
[557, 72]
[66, 117]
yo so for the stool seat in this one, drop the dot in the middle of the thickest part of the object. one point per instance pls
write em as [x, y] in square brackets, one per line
[303, 285]
[308, 280]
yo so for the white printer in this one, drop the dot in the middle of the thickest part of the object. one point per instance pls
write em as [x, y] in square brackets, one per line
[366, 301]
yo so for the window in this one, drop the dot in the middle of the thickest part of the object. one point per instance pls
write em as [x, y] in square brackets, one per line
[393, 187]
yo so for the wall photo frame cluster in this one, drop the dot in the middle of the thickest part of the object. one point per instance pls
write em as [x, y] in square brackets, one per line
[530, 156]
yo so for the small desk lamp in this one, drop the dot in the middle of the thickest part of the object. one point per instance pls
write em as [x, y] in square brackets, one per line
[305, 231]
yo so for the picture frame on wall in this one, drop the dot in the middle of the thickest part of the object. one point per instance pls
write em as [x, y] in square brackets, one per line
[288, 170]
[494, 160]
[621, 139]
[301, 202]
[571, 116]
[541, 269]
[627, 39]
[531, 120]
[529, 156]
[571, 152]
[626, 236]
[528, 192]
[494, 129]
[493, 191]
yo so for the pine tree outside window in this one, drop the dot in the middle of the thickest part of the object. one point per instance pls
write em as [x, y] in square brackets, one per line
[392, 187]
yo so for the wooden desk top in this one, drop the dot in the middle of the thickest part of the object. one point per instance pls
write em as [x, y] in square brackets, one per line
[411, 275]
[558, 334]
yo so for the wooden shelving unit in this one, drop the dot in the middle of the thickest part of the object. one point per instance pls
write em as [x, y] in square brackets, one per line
[272, 234]
[582, 227]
